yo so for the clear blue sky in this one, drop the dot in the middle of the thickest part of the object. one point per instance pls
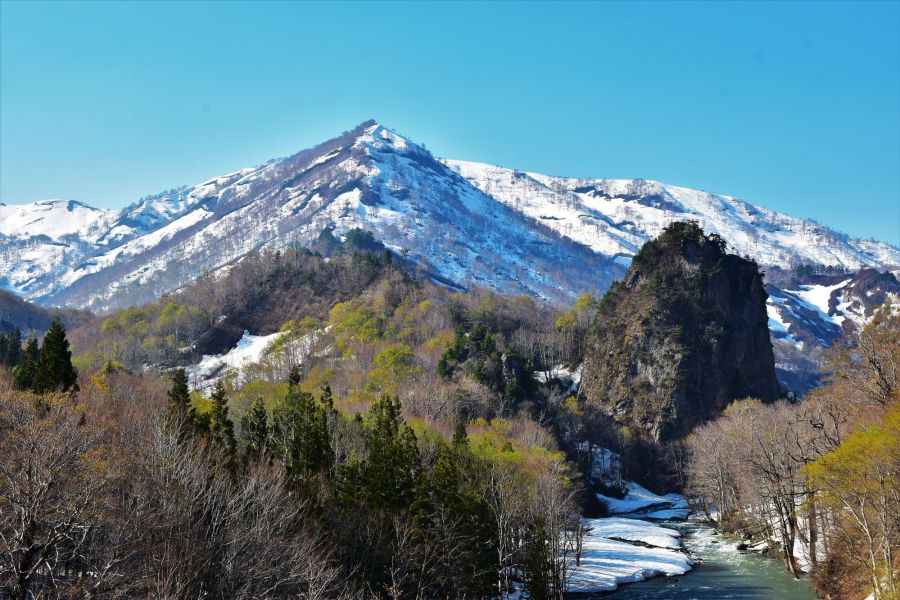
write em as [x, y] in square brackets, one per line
[792, 106]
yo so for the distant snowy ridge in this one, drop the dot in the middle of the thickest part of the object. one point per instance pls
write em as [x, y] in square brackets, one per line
[461, 222]
[616, 216]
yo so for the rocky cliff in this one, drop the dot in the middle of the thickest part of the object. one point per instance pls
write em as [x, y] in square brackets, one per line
[680, 337]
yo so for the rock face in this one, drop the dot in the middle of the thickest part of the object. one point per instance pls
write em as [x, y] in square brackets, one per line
[678, 339]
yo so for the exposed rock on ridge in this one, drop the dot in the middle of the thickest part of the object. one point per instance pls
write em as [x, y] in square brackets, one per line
[683, 335]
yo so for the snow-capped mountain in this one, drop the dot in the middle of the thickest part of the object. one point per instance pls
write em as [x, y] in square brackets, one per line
[462, 223]
[809, 316]
[44, 245]
[616, 216]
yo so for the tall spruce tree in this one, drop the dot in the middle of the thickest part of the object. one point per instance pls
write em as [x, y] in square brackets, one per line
[25, 372]
[301, 426]
[54, 364]
[12, 348]
[393, 467]
[181, 411]
[221, 429]
[255, 431]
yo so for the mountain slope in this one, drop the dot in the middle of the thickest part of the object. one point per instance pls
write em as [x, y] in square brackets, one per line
[462, 223]
[616, 216]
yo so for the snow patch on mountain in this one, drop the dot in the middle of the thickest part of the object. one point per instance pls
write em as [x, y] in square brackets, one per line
[249, 350]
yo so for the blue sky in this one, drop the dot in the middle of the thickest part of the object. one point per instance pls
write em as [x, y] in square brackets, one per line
[792, 106]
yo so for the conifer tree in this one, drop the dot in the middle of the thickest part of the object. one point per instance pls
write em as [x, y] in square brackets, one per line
[181, 412]
[393, 465]
[255, 431]
[221, 428]
[327, 398]
[25, 372]
[12, 348]
[54, 365]
[301, 428]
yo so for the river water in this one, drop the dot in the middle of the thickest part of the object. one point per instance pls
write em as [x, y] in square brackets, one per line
[721, 573]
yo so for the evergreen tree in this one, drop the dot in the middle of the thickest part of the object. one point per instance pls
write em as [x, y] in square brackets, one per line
[302, 428]
[3, 345]
[221, 429]
[393, 465]
[255, 431]
[54, 365]
[349, 480]
[537, 564]
[460, 437]
[181, 412]
[12, 348]
[294, 377]
[471, 531]
[27, 369]
[327, 398]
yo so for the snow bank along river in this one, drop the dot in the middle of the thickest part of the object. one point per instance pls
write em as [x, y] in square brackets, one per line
[649, 546]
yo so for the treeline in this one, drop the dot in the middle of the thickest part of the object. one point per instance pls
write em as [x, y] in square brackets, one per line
[44, 367]
[817, 480]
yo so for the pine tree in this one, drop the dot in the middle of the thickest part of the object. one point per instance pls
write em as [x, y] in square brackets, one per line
[54, 365]
[393, 466]
[537, 565]
[255, 431]
[181, 412]
[327, 398]
[460, 437]
[221, 428]
[13, 348]
[27, 369]
[302, 427]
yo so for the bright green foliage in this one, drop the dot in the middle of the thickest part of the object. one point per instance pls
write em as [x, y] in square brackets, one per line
[360, 323]
[393, 364]
[54, 364]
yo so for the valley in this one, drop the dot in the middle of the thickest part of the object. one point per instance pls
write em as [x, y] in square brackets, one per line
[450, 379]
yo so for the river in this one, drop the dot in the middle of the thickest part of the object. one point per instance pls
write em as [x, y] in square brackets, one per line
[721, 573]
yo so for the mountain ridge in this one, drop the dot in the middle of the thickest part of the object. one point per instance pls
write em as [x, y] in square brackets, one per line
[468, 223]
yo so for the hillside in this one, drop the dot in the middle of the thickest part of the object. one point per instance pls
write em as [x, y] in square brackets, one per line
[680, 337]
[31, 319]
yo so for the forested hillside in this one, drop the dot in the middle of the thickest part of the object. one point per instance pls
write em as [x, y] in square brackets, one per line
[393, 437]
[816, 482]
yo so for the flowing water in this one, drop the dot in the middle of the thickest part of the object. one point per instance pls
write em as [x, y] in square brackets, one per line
[721, 573]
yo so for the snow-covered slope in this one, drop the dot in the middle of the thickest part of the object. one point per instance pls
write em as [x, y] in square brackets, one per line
[616, 217]
[462, 223]
[46, 244]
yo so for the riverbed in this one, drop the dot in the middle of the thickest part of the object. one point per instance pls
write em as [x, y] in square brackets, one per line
[720, 572]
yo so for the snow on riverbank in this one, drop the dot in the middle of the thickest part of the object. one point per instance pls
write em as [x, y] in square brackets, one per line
[628, 547]
[619, 550]
[641, 501]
